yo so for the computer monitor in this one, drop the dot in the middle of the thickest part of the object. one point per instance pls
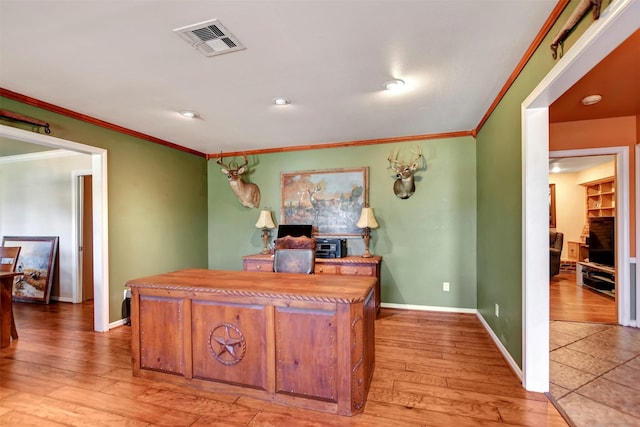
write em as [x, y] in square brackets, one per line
[294, 230]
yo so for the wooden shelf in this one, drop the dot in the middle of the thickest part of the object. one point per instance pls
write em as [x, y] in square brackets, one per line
[600, 197]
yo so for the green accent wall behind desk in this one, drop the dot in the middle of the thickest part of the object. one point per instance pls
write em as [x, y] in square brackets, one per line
[425, 240]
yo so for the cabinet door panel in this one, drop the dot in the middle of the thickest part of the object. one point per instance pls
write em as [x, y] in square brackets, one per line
[229, 343]
[161, 346]
[306, 343]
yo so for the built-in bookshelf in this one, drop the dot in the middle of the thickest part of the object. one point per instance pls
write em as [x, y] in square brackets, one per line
[601, 197]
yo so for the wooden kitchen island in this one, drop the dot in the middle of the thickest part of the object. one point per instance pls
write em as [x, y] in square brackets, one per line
[298, 340]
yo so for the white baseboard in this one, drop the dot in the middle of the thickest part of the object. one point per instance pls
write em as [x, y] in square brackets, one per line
[512, 363]
[117, 323]
[62, 299]
[428, 308]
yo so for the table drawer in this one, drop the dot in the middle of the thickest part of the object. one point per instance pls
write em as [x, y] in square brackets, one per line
[357, 270]
[258, 266]
[326, 269]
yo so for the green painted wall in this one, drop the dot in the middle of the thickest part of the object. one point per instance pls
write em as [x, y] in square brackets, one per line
[10, 147]
[157, 201]
[425, 240]
[499, 164]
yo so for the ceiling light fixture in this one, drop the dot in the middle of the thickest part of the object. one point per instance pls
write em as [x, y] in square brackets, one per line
[591, 99]
[188, 114]
[394, 85]
[280, 100]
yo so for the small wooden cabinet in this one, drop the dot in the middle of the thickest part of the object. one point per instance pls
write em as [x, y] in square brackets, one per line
[573, 249]
[577, 251]
[347, 266]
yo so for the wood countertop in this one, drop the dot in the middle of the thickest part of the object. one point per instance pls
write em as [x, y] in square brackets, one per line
[313, 287]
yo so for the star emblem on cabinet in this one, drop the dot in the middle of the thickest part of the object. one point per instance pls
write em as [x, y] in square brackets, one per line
[227, 344]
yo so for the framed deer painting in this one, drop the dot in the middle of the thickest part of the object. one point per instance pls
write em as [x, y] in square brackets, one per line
[331, 200]
[37, 262]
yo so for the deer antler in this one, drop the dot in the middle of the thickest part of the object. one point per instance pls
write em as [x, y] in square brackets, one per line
[246, 161]
[394, 161]
[221, 163]
[414, 163]
[228, 165]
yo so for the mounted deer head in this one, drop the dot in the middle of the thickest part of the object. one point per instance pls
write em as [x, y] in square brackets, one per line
[248, 194]
[405, 186]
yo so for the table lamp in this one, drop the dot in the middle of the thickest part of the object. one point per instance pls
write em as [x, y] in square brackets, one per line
[265, 221]
[367, 221]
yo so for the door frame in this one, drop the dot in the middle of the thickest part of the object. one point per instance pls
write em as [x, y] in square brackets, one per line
[76, 235]
[637, 257]
[100, 211]
[615, 25]
[623, 264]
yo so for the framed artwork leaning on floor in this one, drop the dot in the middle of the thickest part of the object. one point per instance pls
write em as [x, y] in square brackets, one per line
[37, 262]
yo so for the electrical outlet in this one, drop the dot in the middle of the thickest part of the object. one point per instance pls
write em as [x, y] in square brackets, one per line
[445, 286]
[497, 310]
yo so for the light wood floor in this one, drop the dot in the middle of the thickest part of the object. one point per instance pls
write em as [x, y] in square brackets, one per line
[432, 369]
[570, 302]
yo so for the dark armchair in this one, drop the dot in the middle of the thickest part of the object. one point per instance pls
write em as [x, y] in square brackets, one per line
[555, 249]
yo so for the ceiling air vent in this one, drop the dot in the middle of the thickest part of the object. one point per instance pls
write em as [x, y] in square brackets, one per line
[210, 38]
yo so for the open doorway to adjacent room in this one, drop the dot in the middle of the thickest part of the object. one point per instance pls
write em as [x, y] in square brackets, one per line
[582, 284]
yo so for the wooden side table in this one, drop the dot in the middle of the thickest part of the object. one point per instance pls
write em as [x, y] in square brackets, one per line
[346, 266]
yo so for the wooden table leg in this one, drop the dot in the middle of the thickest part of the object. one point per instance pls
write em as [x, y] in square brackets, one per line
[5, 308]
[8, 326]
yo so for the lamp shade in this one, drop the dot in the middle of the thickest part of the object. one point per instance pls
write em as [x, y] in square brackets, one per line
[367, 219]
[265, 220]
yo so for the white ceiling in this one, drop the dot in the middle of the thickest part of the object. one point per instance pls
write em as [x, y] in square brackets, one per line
[120, 61]
[578, 164]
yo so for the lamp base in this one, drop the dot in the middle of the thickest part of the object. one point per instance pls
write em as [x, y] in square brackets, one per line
[265, 237]
[366, 238]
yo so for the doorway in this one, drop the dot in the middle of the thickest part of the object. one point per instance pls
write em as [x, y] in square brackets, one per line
[85, 238]
[100, 218]
[582, 289]
[603, 36]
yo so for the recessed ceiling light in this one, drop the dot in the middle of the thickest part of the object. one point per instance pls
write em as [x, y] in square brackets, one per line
[591, 99]
[394, 84]
[188, 114]
[280, 100]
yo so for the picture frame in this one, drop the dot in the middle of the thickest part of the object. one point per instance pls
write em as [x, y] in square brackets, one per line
[552, 206]
[330, 199]
[37, 262]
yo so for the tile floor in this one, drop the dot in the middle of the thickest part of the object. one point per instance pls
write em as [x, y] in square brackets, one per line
[595, 373]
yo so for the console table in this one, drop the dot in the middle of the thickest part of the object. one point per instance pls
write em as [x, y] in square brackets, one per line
[298, 340]
[346, 266]
[600, 278]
